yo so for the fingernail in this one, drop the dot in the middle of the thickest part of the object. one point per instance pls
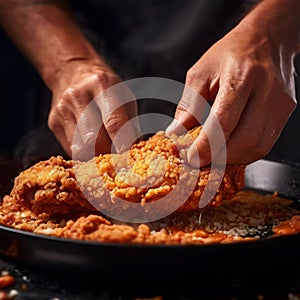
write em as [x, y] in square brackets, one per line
[120, 148]
[76, 151]
[175, 127]
[76, 148]
[171, 128]
[193, 158]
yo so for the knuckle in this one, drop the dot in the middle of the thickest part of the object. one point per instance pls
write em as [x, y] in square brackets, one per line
[62, 107]
[193, 75]
[53, 122]
[262, 73]
[113, 123]
[291, 103]
[190, 75]
[105, 78]
[227, 115]
[249, 137]
[184, 104]
[253, 70]
[287, 102]
[70, 93]
[100, 77]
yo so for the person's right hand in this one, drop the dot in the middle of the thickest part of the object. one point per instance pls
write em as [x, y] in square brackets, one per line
[77, 86]
[248, 75]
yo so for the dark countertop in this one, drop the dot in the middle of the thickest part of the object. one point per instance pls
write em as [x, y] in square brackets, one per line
[33, 284]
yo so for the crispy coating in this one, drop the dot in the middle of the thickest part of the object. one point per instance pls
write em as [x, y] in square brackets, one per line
[50, 186]
[151, 178]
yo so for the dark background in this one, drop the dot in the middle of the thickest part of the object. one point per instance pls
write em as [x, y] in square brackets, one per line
[25, 103]
[19, 85]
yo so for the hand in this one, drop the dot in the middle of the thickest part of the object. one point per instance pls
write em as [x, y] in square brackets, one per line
[74, 72]
[78, 85]
[251, 80]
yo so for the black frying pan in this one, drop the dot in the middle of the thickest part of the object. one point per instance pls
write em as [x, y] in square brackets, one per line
[89, 259]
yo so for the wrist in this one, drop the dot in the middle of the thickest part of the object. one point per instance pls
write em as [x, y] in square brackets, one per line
[276, 21]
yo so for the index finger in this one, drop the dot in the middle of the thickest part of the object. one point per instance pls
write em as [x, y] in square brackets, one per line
[226, 110]
[114, 103]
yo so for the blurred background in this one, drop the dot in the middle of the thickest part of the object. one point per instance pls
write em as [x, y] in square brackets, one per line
[25, 103]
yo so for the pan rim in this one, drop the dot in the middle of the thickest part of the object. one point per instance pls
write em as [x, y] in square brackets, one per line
[86, 243]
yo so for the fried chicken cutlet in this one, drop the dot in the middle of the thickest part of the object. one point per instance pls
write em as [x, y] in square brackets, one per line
[132, 182]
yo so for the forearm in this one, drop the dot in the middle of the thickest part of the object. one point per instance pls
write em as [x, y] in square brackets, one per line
[279, 21]
[46, 34]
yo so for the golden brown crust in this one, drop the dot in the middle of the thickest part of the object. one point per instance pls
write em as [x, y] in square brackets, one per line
[149, 171]
[50, 186]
